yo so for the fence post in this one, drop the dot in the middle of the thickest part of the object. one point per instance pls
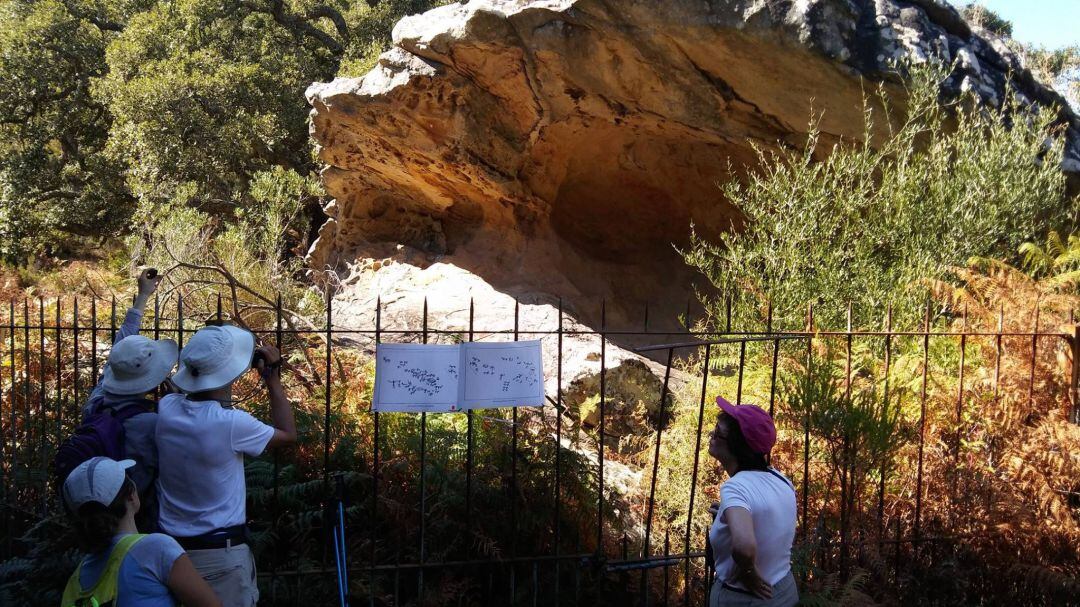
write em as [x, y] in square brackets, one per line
[1074, 391]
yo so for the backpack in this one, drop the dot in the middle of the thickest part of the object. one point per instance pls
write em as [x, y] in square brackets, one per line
[103, 593]
[100, 433]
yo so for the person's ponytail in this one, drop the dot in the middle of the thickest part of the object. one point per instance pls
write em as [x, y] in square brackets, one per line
[95, 525]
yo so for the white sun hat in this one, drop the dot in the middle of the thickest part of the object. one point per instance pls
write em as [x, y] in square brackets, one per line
[138, 364]
[98, 479]
[214, 358]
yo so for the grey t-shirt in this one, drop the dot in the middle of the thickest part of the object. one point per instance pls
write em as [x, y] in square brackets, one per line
[144, 573]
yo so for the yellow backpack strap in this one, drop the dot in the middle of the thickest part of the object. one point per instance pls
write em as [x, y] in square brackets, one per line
[103, 591]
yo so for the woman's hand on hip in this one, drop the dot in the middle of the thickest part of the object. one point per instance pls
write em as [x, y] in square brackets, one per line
[752, 581]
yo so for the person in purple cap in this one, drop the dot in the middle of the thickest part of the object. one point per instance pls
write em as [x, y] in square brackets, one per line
[754, 525]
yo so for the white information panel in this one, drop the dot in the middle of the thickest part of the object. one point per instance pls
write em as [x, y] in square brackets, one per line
[416, 377]
[440, 378]
[508, 374]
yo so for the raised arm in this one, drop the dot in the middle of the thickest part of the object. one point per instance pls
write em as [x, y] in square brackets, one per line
[744, 551]
[268, 364]
[148, 282]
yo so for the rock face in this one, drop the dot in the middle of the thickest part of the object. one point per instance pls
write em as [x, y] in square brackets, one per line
[562, 147]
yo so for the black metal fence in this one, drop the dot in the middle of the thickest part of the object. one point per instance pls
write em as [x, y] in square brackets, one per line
[519, 506]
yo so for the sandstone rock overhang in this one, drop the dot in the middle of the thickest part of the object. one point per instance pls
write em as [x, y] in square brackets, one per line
[564, 147]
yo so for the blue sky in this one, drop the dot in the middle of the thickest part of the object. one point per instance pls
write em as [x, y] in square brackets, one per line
[1049, 23]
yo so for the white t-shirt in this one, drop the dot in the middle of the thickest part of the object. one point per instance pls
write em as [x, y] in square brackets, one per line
[201, 448]
[770, 498]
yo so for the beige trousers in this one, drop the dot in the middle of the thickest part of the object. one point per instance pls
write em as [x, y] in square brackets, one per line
[230, 572]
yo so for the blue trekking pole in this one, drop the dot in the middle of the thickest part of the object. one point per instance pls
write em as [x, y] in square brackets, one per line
[339, 545]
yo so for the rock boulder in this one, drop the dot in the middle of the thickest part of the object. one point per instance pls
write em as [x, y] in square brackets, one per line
[554, 148]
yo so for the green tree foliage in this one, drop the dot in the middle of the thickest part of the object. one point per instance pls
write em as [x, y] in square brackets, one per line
[109, 106]
[875, 220]
[54, 174]
[1057, 262]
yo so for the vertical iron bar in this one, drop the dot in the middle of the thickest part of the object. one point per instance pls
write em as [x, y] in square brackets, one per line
[1034, 354]
[922, 422]
[997, 385]
[28, 438]
[885, 406]
[423, 480]
[847, 357]
[806, 423]
[13, 430]
[112, 320]
[558, 451]
[59, 375]
[694, 475]
[603, 429]
[959, 409]
[75, 339]
[1074, 392]
[274, 503]
[772, 377]
[180, 320]
[514, 454]
[157, 333]
[326, 394]
[7, 447]
[655, 471]
[43, 426]
[997, 356]
[469, 430]
[375, 467]
[93, 341]
[846, 479]
[742, 369]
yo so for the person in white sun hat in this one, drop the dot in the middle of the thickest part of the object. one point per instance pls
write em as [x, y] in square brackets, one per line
[121, 566]
[202, 442]
[136, 366]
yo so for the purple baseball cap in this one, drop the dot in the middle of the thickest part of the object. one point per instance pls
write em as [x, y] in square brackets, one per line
[756, 425]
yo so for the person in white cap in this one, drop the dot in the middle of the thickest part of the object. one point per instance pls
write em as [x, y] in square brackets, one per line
[136, 366]
[202, 442]
[123, 567]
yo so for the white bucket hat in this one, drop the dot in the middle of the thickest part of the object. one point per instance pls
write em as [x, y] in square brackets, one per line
[138, 364]
[214, 358]
[98, 479]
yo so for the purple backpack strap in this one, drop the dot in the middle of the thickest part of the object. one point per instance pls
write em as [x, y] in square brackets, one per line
[127, 412]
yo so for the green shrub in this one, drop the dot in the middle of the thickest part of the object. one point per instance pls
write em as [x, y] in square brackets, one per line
[877, 218]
